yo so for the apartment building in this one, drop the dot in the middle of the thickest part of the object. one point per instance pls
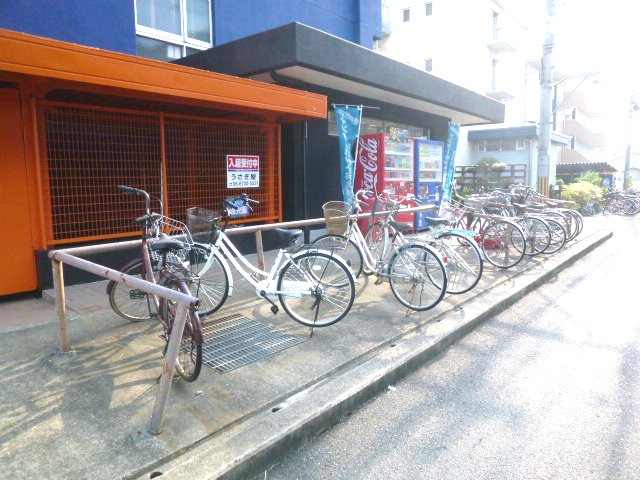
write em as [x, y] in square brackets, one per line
[491, 47]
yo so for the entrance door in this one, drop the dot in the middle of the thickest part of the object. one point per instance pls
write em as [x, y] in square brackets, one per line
[18, 269]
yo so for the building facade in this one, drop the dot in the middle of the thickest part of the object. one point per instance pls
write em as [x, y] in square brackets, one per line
[77, 122]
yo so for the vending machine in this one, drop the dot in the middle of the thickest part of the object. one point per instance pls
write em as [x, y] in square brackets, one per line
[385, 162]
[428, 177]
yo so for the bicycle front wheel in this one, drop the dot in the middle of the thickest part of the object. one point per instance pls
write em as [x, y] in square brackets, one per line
[131, 303]
[344, 247]
[315, 289]
[463, 261]
[503, 243]
[558, 236]
[212, 283]
[189, 359]
[418, 277]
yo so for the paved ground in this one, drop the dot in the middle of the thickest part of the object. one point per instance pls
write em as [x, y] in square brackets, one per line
[86, 414]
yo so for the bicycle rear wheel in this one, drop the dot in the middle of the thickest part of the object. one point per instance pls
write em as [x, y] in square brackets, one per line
[344, 247]
[189, 359]
[503, 243]
[316, 289]
[212, 286]
[537, 235]
[418, 277]
[131, 303]
[463, 261]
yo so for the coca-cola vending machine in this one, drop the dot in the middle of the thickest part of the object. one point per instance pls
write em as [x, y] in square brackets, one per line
[385, 162]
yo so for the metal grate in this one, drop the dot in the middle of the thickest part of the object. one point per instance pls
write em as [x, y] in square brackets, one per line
[89, 150]
[233, 341]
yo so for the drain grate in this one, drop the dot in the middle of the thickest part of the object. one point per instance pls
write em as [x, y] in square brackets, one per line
[233, 341]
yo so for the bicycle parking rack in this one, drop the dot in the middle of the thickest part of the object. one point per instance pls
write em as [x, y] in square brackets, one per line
[71, 256]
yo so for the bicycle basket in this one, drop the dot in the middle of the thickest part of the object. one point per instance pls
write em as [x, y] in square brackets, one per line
[173, 227]
[201, 222]
[336, 216]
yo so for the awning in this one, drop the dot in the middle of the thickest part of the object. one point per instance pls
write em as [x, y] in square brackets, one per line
[579, 167]
[301, 54]
[518, 131]
[120, 74]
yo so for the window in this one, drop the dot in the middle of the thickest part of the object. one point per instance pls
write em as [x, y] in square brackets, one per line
[504, 145]
[171, 29]
[428, 64]
[406, 14]
[376, 125]
[428, 9]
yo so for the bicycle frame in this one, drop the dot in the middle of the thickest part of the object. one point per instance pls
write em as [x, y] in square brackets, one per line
[226, 253]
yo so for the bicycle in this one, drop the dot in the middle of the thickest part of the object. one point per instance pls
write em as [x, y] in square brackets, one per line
[501, 241]
[167, 269]
[415, 271]
[315, 287]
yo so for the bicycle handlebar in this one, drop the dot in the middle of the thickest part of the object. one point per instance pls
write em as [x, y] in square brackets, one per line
[138, 191]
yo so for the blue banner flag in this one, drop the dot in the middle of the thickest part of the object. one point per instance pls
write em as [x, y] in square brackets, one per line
[448, 162]
[348, 122]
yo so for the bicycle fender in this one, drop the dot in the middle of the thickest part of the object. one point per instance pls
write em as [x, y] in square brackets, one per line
[226, 268]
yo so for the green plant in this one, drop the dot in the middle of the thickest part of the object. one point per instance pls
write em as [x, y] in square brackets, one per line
[559, 182]
[498, 167]
[583, 192]
[591, 177]
[485, 163]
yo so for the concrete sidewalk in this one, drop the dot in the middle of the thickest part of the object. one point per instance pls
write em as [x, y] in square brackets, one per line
[86, 414]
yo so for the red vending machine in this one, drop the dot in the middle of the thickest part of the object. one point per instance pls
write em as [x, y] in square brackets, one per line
[385, 162]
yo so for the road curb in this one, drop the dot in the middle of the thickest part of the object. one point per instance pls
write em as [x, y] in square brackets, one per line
[249, 447]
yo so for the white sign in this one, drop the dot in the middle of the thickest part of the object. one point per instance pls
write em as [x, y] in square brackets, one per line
[243, 171]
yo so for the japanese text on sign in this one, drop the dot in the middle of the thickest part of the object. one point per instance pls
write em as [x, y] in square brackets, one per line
[243, 171]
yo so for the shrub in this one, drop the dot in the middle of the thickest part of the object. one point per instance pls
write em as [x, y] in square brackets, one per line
[582, 193]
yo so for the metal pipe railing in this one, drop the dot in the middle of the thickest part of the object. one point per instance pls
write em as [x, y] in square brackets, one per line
[183, 301]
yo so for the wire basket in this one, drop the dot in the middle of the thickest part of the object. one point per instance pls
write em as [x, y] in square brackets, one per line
[336, 216]
[201, 222]
[176, 228]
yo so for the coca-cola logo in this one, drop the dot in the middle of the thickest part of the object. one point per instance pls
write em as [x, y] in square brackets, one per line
[368, 158]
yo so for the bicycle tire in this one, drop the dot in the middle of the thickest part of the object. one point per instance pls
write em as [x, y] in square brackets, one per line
[503, 243]
[131, 303]
[463, 261]
[212, 286]
[418, 277]
[345, 247]
[329, 283]
[558, 236]
[537, 235]
[377, 242]
[189, 359]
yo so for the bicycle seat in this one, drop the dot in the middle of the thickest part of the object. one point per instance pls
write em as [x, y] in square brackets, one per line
[401, 226]
[287, 238]
[167, 244]
[434, 222]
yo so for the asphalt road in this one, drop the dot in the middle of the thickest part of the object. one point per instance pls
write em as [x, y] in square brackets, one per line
[549, 389]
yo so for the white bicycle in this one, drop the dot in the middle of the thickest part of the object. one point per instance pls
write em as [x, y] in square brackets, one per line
[315, 287]
[415, 270]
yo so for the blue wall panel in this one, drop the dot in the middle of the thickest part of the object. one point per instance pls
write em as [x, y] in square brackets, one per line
[357, 21]
[105, 24]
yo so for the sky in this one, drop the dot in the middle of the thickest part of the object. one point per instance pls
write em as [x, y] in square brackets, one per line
[601, 38]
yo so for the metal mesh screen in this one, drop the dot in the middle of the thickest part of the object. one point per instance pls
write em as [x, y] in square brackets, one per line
[88, 151]
[196, 164]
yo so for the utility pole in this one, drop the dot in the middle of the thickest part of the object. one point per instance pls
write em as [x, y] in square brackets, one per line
[627, 159]
[546, 76]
